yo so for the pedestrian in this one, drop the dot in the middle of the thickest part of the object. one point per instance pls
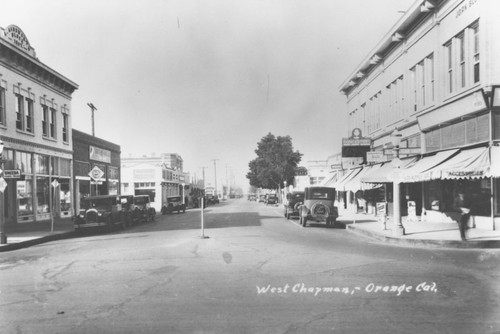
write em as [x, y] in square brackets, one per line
[463, 206]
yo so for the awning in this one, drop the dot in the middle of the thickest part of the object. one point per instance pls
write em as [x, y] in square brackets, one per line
[384, 174]
[329, 180]
[340, 184]
[420, 171]
[355, 183]
[495, 161]
[468, 164]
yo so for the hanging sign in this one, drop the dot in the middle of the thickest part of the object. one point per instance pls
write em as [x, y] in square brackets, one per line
[96, 173]
[12, 174]
[3, 184]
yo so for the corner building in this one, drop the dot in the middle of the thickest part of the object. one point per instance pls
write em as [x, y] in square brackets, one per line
[35, 127]
[435, 78]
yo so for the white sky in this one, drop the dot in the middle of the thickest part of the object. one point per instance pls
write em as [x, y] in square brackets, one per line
[207, 79]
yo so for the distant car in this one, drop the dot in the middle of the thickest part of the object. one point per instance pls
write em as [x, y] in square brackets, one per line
[99, 211]
[174, 203]
[252, 197]
[143, 208]
[271, 199]
[262, 198]
[318, 206]
[293, 202]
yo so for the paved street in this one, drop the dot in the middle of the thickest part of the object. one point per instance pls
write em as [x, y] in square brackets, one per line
[255, 273]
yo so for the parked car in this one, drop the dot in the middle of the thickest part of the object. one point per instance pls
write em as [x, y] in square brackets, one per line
[252, 197]
[99, 211]
[174, 203]
[142, 206]
[293, 202]
[262, 198]
[129, 215]
[271, 199]
[318, 206]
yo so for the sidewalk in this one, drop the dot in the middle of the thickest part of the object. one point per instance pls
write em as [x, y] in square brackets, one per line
[28, 234]
[418, 233]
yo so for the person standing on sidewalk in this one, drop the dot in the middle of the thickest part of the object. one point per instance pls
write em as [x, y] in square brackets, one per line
[462, 203]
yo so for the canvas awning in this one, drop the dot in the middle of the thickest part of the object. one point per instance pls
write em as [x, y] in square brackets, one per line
[384, 174]
[468, 164]
[330, 180]
[340, 184]
[420, 171]
[356, 184]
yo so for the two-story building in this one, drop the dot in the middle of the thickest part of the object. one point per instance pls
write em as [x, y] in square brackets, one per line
[434, 81]
[35, 128]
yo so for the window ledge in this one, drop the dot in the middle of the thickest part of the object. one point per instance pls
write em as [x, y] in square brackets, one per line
[49, 139]
[25, 132]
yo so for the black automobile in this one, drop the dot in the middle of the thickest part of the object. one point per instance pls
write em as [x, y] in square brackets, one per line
[143, 208]
[174, 203]
[318, 206]
[293, 202]
[103, 211]
[271, 199]
[128, 212]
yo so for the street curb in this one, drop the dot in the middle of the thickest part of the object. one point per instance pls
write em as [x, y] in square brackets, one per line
[426, 242]
[36, 241]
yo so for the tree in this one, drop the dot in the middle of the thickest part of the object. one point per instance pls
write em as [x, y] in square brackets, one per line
[275, 163]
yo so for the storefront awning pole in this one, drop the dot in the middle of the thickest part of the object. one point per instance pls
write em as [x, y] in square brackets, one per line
[492, 202]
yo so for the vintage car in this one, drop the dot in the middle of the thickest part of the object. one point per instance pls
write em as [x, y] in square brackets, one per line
[103, 211]
[174, 203]
[252, 197]
[271, 199]
[262, 198]
[293, 202]
[143, 209]
[128, 213]
[211, 199]
[318, 206]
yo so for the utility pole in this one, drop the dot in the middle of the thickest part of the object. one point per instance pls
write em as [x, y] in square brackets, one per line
[93, 109]
[227, 184]
[215, 172]
[203, 174]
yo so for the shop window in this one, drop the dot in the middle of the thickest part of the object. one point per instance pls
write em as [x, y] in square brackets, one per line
[65, 167]
[52, 126]
[25, 197]
[24, 162]
[19, 112]
[24, 114]
[42, 163]
[65, 195]
[54, 166]
[43, 195]
[45, 121]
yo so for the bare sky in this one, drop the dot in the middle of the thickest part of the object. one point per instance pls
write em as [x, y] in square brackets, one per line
[207, 78]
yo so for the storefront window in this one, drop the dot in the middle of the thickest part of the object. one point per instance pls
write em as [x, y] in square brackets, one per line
[43, 194]
[65, 195]
[23, 162]
[65, 165]
[54, 166]
[42, 164]
[25, 197]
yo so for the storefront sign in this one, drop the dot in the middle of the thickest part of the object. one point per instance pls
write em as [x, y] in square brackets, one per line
[348, 163]
[356, 139]
[144, 174]
[410, 151]
[375, 157]
[17, 37]
[21, 187]
[12, 174]
[100, 154]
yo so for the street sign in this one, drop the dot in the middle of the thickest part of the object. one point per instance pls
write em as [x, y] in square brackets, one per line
[3, 184]
[55, 183]
[96, 173]
[12, 174]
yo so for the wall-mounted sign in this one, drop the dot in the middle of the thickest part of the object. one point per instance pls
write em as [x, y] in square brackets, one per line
[12, 174]
[144, 174]
[99, 154]
[410, 151]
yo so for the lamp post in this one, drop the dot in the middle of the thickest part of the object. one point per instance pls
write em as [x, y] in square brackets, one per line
[397, 228]
[3, 235]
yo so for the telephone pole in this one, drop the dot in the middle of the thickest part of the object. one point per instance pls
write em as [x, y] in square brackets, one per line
[215, 172]
[203, 171]
[93, 108]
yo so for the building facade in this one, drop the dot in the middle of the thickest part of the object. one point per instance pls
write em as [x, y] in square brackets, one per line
[159, 177]
[35, 128]
[96, 167]
[433, 79]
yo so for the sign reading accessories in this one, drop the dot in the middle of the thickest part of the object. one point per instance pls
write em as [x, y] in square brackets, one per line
[99, 154]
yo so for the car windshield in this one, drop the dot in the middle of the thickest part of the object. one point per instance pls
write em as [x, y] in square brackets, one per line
[297, 196]
[98, 203]
[141, 200]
